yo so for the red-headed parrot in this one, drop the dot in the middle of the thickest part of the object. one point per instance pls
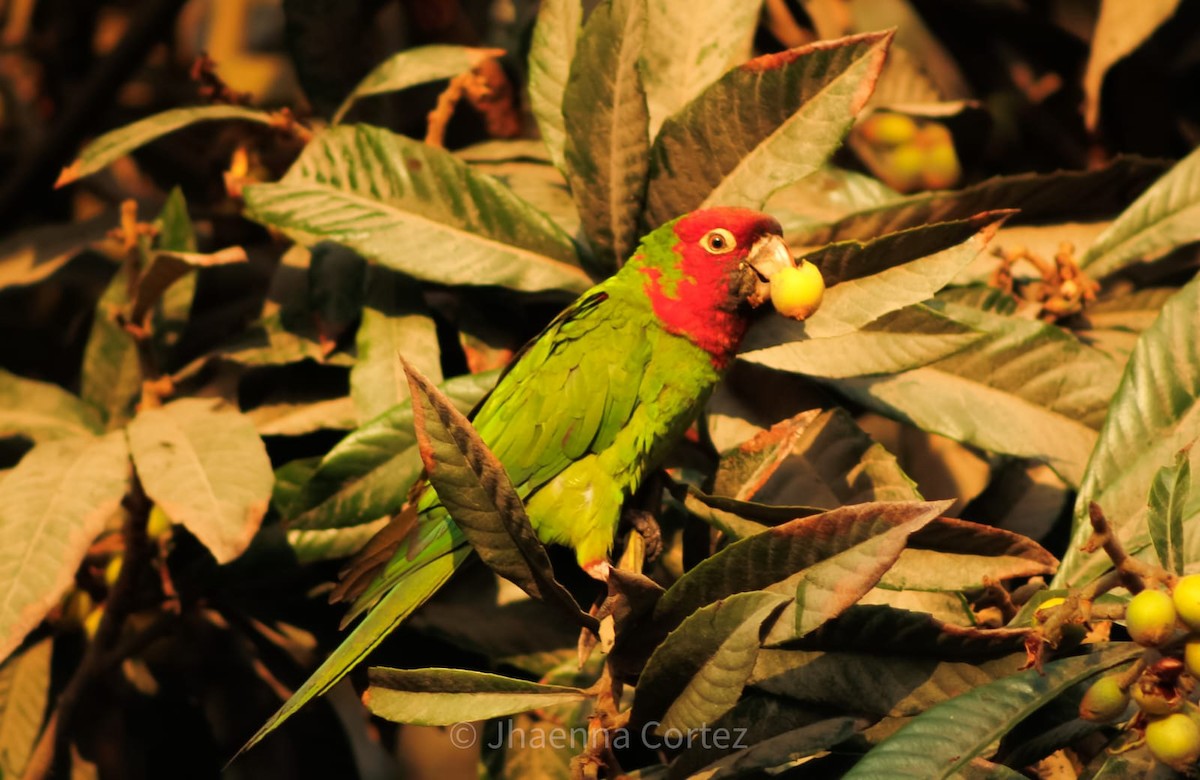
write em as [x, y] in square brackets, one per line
[586, 410]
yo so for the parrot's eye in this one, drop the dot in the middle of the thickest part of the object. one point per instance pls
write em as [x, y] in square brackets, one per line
[718, 241]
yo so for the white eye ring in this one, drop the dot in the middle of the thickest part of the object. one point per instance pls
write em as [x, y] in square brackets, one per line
[718, 241]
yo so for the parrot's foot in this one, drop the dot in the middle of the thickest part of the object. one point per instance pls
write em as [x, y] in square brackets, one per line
[598, 569]
[647, 527]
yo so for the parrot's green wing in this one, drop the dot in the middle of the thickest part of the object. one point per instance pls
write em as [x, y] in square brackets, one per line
[566, 395]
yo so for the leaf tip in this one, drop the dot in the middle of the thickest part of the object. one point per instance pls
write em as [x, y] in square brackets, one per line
[70, 173]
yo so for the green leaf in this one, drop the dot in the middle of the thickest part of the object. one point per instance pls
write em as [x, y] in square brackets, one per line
[368, 474]
[394, 320]
[24, 691]
[869, 280]
[1169, 494]
[763, 125]
[269, 342]
[1120, 28]
[1165, 216]
[1025, 388]
[208, 470]
[111, 378]
[326, 544]
[833, 558]
[831, 463]
[777, 753]
[381, 193]
[941, 741]
[162, 275]
[876, 681]
[298, 417]
[1040, 197]
[444, 697]
[692, 45]
[607, 145]
[52, 506]
[41, 410]
[31, 255]
[411, 67]
[696, 675]
[550, 54]
[954, 555]
[826, 194]
[120, 142]
[473, 486]
[174, 307]
[1152, 416]
[907, 339]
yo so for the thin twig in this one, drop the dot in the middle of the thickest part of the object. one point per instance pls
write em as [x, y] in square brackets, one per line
[1133, 573]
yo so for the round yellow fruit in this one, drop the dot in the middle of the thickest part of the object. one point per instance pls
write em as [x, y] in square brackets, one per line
[158, 524]
[1187, 600]
[888, 129]
[796, 291]
[1191, 657]
[113, 570]
[1104, 701]
[1150, 618]
[1174, 740]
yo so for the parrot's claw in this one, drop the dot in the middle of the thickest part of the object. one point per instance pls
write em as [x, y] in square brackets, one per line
[647, 527]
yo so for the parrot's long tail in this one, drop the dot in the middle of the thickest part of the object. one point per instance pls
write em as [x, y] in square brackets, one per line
[433, 549]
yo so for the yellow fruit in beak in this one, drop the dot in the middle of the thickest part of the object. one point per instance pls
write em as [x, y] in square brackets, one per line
[796, 291]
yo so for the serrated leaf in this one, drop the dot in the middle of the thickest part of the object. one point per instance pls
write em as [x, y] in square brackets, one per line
[52, 506]
[833, 558]
[939, 742]
[692, 45]
[1162, 218]
[443, 697]
[41, 410]
[696, 675]
[411, 67]
[743, 470]
[368, 474]
[1152, 416]
[1025, 388]
[1120, 28]
[826, 194]
[550, 53]
[607, 144]
[899, 341]
[474, 488]
[24, 691]
[540, 185]
[954, 555]
[877, 683]
[208, 470]
[111, 377]
[869, 280]
[120, 142]
[394, 319]
[765, 124]
[1040, 197]
[418, 210]
[1169, 493]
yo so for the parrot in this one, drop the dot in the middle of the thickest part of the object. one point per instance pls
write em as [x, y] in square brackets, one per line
[581, 415]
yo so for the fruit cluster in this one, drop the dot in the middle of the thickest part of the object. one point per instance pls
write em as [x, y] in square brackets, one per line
[1162, 683]
[908, 154]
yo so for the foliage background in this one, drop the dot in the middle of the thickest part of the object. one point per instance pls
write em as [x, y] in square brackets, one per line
[993, 399]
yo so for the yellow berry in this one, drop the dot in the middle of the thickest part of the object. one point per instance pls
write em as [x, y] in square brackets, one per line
[158, 524]
[91, 623]
[1150, 618]
[75, 607]
[1174, 740]
[1191, 657]
[888, 129]
[1104, 701]
[796, 291]
[902, 167]
[113, 570]
[1187, 600]
[941, 169]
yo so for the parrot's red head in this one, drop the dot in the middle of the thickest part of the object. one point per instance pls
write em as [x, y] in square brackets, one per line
[705, 270]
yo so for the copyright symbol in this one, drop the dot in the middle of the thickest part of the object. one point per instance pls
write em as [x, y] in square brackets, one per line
[463, 735]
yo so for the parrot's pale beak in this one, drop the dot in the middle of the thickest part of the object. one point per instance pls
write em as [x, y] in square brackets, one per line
[767, 256]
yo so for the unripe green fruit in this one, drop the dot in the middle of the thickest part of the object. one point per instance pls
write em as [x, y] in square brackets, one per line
[1150, 618]
[888, 129]
[796, 291]
[1104, 701]
[1186, 596]
[1174, 740]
